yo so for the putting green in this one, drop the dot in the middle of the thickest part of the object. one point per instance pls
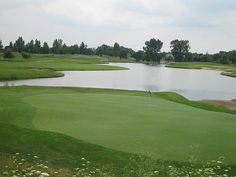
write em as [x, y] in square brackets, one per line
[137, 124]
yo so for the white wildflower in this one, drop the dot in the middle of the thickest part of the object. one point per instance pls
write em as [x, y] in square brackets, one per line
[156, 172]
[5, 173]
[44, 174]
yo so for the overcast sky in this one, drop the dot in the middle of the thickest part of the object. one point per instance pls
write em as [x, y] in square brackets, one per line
[209, 25]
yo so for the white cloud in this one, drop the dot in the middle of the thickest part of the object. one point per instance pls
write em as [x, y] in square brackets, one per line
[208, 24]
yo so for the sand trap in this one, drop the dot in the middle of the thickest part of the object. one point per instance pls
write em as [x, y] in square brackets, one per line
[227, 104]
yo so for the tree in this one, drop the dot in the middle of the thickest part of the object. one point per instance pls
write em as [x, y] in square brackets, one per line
[8, 54]
[123, 54]
[65, 49]
[82, 48]
[116, 49]
[139, 55]
[232, 56]
[25, 55]
[152, 50]
[45, 49]
[37, 46]
[19, 45]
[90, 51]
[1, 46]
[104, 50]
[74, 49]
[167, 57]
[11, 46]
[180, 49]
[29, 47]
[57, 46]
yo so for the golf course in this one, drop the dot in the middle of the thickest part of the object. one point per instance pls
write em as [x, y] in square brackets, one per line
[124, 133]
[111, 88]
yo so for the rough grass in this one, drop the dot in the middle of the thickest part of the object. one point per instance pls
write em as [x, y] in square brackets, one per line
[24, 152]
[227, 69]
[129, 121]
[42, 66]
[61, 151]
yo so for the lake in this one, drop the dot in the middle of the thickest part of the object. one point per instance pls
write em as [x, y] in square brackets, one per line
[193, 84]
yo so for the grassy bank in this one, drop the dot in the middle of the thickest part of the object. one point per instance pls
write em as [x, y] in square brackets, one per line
[26, 152]
[227, 69]
[128, 121]
[63, 153]
[44, 66]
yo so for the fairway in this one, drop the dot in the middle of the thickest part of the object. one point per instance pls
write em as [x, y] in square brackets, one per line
[45, 66]
[135, 122]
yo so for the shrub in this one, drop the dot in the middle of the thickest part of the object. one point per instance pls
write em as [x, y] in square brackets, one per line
[25, 55]
[8, 54]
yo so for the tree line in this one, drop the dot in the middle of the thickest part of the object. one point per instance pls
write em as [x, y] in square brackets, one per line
[151, 53]
[59, 47]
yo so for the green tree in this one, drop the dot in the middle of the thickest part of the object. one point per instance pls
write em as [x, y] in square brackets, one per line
[11, 47]
[232, 56]
[123, 54]
[116, 49]
[25, 55]
[180, 49]
[104, 50]
[65, 49]
[1, 46]
[152, 50]
[8, 54]
[139, 55]
[83, 48]
[74, 49]
[45, 49]
[37, 46]
[57, 46]
[30, 47]
[19, 45]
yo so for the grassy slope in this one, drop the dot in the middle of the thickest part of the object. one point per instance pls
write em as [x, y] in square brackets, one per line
[60, 150]
[41, 66]
[124, 120]
[197, 104]
[228, 70]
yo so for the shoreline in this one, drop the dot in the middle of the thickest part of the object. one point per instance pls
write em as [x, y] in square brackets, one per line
[229, 104]
[224, 72]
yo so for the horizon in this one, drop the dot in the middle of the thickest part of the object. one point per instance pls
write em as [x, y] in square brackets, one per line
[208, 25]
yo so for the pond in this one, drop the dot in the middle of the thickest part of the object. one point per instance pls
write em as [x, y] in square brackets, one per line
[193, 84]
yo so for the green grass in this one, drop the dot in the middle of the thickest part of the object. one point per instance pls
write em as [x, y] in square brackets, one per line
[129, 121]
[42, 66]
[197, 104]
[64, 154]
[228, 69]
[61, 151]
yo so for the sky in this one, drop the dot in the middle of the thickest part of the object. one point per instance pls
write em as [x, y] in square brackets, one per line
[209, 25]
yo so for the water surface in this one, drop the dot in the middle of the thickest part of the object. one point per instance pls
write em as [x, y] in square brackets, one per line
[193, 84]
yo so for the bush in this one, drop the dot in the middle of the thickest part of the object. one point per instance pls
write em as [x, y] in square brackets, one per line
[8, 54]
[25, 55]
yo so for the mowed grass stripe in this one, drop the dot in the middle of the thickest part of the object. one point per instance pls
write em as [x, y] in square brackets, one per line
[138, 124]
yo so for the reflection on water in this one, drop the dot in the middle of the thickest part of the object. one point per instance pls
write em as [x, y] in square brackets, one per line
[194, 84]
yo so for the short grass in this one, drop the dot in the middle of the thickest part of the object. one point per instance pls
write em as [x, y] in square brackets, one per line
[130, 121]
[42, 66]
[227, 69]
